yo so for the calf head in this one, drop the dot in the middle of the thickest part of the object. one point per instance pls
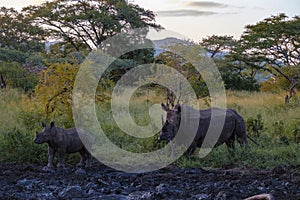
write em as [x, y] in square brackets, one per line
[45, 135]
[171, 125]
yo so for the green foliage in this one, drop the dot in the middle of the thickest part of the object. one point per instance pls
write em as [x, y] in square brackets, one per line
[86, 24]
[255, 125]
[296, 132]
[218, 44]
[265, 157]
[12, 55]
[235, 81]
[22, 117]
[278, 83]
[279, 132]
[275, 39]
[16, 77]
[187, 69]
[17, 145]
[54, 92]
[18, 33]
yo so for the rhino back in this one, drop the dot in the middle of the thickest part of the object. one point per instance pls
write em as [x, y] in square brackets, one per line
[73, 142]
[204, 125]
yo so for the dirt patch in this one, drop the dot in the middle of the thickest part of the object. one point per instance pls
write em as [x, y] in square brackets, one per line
[32, 181]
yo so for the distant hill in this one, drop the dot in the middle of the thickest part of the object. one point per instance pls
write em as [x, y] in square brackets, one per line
[161, 45]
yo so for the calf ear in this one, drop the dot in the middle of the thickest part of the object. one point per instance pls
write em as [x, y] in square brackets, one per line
[52, 124]
[43, 124]
[164, 107]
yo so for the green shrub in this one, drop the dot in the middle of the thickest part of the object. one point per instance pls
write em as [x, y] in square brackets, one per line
[17, 146]
[255, 125]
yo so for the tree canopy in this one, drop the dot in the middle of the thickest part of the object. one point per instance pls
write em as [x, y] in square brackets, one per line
[269, 45]
[18, 33]
[86, 23]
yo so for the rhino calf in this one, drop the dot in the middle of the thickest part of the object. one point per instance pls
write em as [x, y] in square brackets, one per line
[64, 141]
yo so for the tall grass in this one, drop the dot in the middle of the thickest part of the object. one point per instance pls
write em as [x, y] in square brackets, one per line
[20, 118]
[19, 121]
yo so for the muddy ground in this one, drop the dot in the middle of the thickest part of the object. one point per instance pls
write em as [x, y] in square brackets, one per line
[32, 181]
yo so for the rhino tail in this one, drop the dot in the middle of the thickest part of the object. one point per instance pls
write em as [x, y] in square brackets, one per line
[252, 140]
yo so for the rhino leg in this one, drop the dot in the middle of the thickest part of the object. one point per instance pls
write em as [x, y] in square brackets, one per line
[83, 158]
[230, 145]
[88, 159]
[242, 139]
[191, 148]
[61, 157]
[51, 153]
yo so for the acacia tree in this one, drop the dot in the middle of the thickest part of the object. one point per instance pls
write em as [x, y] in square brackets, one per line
[18, 33]
[238, 69]
[276, 41]
[218, 44]
[87, 23]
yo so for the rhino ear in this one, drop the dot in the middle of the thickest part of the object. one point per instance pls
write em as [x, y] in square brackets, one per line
[164, 107]
[52, 124]
[43, 124]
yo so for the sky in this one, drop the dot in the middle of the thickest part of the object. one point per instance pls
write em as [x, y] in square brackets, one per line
[197, 19]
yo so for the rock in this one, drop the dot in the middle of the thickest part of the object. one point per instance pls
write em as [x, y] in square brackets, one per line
[48, 169]
[80, 171]
[71, 192]
[161, 188]
[112, 197]
[139, 195]
[46, 195]
[202, 197]
[100, 182]
[29, 184]
[221, 196]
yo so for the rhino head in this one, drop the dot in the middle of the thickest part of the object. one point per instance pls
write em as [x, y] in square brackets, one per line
[45, 135]
[171, 125]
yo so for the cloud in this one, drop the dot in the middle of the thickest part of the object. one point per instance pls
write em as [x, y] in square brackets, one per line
[184, 13]
[258, 8]
[207, 4]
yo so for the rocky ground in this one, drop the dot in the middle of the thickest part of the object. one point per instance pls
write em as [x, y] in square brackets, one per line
[32, 181]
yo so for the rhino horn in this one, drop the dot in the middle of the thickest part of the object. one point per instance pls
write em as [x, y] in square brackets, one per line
[177, 108]
[165, 107]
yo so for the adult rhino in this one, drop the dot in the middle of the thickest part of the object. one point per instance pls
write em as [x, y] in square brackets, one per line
[233, 128]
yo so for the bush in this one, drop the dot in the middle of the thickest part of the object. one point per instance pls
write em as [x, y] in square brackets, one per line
[17, 146]
[16, 77]
[255, 125]
[234, 81]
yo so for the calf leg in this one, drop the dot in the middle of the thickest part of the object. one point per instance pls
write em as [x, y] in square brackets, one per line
[51, 153]
[61, 157]
[88, 157]
[82, 159]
